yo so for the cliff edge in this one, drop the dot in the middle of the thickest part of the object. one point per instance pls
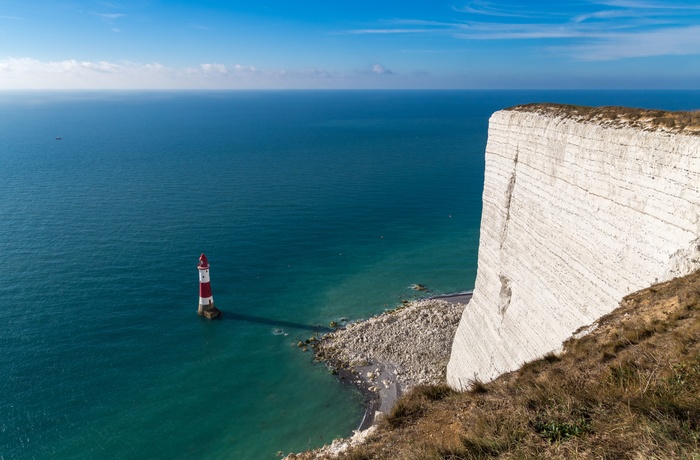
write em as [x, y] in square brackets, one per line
[581, 206]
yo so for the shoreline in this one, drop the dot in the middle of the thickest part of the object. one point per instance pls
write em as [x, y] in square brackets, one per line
[382, 389]
[388, 354]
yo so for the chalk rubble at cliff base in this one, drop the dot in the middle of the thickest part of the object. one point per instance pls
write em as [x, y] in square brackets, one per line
[415, 340]
[409, 346]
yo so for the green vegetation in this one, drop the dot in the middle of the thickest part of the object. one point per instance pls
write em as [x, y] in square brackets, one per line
[628, 390]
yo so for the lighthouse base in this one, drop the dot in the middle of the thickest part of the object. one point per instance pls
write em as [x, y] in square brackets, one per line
[212, 314]
[209, 311]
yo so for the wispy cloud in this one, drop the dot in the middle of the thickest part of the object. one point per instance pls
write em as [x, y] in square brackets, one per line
[501, 9]
[111, 19]
[111, 16]
[404, 26]
[110, 5]
[602, 15]
[387, 31]
[664, 42]
[641, 4]
[586, 29]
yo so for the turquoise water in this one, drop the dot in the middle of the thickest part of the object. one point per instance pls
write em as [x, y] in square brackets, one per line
[310, 206]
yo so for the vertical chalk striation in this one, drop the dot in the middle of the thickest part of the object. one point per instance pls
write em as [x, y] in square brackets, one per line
[581, 206]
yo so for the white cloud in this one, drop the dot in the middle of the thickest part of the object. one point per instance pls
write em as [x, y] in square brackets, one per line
[217, 70]
[380, 70]
[242, 68]
[214, 68]
[28, 73]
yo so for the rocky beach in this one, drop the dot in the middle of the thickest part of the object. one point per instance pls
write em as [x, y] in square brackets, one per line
[387, 355]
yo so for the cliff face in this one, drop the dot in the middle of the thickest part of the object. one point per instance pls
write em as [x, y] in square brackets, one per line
[579, 209]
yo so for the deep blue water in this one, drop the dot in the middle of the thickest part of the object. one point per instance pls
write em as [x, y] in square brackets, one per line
[310, 206]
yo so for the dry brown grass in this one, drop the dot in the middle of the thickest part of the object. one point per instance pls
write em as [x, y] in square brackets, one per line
[628, 390]
[647, 120]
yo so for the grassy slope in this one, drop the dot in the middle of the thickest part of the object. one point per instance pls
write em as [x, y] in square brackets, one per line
[629, 389]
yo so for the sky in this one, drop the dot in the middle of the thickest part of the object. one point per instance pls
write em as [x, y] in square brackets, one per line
[358, 44]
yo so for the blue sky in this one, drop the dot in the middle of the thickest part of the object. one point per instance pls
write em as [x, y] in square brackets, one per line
[283, 44]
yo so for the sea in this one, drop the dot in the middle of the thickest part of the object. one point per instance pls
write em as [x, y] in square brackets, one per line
[311, 206]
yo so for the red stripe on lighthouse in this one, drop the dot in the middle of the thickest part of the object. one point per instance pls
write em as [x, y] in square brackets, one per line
[204, 290]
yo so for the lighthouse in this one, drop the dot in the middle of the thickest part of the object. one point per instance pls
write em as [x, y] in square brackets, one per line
[206, 300]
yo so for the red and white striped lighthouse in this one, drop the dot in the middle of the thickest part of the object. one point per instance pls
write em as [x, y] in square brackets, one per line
[206, 300]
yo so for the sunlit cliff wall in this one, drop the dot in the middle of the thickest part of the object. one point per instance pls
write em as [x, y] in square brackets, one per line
[580, 207]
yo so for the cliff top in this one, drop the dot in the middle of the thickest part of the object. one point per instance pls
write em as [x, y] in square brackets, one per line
[621, 117]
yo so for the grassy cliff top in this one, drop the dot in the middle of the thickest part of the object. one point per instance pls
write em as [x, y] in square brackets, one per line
[629, 389]
[620, 117]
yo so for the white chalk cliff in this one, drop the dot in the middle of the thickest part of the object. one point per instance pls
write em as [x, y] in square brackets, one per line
[580, 207]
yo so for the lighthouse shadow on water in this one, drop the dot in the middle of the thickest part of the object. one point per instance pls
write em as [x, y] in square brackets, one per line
[277, 322]
[208, 310]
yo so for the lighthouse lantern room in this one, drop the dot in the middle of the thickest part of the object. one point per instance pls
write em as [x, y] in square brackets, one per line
[206, 300]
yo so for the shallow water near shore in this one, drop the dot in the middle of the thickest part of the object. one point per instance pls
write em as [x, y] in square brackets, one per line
[310, 206]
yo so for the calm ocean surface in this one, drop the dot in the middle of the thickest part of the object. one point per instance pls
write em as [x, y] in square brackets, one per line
[310, 206]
